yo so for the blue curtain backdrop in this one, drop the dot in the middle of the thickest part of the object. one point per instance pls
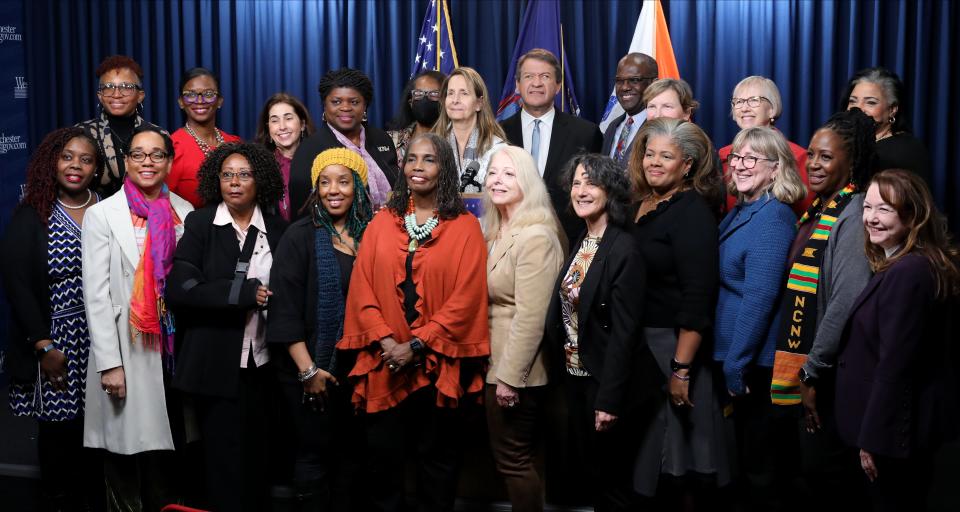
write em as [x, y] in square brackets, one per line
[260, 47]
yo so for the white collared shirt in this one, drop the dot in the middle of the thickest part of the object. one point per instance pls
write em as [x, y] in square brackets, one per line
[254, 334]
[638, 120]
[546, 128]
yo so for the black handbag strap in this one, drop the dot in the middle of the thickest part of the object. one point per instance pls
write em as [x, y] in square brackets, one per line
[243, 264]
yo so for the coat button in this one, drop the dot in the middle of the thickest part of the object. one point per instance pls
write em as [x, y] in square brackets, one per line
[842, 364]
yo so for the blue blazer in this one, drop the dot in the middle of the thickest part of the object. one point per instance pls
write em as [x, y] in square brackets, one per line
[755, 241]
[896, 386]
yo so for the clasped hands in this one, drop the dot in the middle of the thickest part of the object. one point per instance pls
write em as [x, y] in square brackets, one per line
[395, 355]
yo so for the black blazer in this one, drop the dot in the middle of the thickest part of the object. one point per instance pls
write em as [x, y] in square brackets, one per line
[209, 330]
[26, 281]
[611, 341]
[378, 144]
[896, 380]
[608, 141]
[569, 135]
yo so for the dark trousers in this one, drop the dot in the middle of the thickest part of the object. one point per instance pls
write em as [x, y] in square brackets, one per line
[768, 446]
[513, 439]
[142, 482]
[71, 475]
[830, 467]
[234, 438]
[901, 485]
[415, 429]
[329, 448]
[609, 455]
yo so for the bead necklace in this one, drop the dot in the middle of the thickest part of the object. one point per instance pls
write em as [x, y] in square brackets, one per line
[204, 147]
[80, 206]
[418, 232]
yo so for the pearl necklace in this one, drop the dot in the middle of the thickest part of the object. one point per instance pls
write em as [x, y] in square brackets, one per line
[204, 147]
[418, 233]
[78, 207]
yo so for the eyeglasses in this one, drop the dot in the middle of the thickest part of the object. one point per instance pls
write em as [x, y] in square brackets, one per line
[123, 88]
[155, 157]
[418, 94]
[749, 162]
[207, 96]
[241, 175]
[544, 77]
[634, 81]
[753, 101]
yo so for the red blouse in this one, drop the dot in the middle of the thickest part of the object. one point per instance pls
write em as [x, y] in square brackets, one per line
[449, 272]
[187, 159]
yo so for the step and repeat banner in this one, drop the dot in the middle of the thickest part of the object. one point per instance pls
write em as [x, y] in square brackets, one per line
[14, 91]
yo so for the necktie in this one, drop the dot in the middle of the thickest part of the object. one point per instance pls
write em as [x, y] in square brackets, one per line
[622, 142]
[535, 142]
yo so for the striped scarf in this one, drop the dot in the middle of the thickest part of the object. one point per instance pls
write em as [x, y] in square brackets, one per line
[330, 302]
[799, 306]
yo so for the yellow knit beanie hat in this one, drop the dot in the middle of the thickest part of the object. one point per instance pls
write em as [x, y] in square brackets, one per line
[338, 156]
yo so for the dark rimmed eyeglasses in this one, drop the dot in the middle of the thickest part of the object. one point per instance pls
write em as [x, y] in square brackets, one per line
[122, 88]
[419, 94]
[634, 81]
[749, 162]
[155, 157]
[208, 96]
[752, 101]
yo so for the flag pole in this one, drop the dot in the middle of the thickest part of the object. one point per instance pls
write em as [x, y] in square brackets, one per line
[439, 30]
[563, 79]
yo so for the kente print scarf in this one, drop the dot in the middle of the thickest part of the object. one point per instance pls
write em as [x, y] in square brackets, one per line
[149, 318]
[799, 307]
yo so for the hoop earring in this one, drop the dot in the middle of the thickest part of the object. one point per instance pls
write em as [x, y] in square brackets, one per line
[893, 119]
[323, 117]
[364, 117]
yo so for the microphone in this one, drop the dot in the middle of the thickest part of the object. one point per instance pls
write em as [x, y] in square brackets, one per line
[469, 177]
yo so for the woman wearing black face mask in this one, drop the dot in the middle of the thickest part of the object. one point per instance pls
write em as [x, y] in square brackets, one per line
[419, 110]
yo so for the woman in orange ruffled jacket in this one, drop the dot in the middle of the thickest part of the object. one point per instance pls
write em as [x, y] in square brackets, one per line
[417, 314]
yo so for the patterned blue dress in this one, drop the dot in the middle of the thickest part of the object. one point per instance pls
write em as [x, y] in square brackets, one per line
[68, 328]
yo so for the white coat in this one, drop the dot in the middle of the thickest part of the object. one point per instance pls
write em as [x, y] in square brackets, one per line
[139, 422]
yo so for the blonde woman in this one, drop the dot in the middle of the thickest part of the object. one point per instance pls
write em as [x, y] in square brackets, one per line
[468, 124]
[755, 239]
[525, 246]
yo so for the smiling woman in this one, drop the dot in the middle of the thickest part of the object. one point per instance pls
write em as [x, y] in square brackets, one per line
[223, 359]
[200, 99]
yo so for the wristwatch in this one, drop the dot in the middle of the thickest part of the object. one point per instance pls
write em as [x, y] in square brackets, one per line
[417, 346]
[46, 348]
[807, 379]
[677, 366]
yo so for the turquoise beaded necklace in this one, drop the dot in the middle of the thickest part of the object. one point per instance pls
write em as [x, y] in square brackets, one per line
[415, 231]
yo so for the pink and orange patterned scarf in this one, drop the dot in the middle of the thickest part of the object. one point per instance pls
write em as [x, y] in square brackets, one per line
[149, 318]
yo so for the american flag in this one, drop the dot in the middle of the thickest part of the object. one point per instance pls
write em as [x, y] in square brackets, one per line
[435, 48]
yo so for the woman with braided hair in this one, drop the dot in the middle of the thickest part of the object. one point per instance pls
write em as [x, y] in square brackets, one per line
[416, 320]
[222, 359]
[306, 318]
[827, 269]
[347, 94]
[46, 359]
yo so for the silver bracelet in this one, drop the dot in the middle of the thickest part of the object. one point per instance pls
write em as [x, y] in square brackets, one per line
[308, 373]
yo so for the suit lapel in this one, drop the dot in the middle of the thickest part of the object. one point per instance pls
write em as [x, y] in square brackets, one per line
[588, 289]
[739, 221]
[867, 291]
[608, 135]
[500, 250]
[558, 139]
[121, 225]
[513, 130]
